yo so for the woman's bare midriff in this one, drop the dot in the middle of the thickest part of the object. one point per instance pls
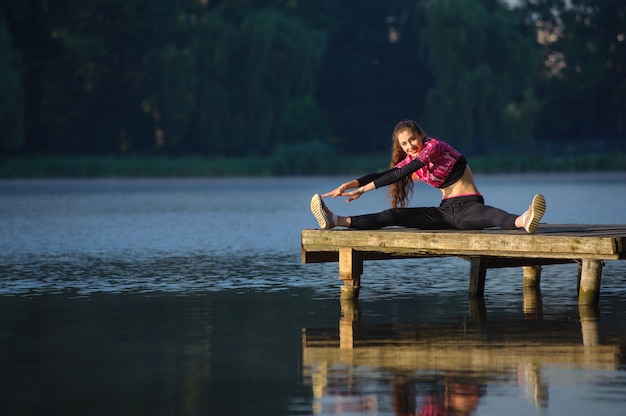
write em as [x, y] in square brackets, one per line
[464, 186]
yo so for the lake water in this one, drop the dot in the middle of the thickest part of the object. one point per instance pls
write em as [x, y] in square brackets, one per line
[188, 297]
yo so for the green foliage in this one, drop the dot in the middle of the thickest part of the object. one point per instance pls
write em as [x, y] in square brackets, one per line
[519, 118]
[301, 121]
[248, 75]
[305, 158]
[12, 95]
[171, 101]
[300, 159]
[373, 73]
[482, 65]
[584, 71]
[267, 78]
[514, 163]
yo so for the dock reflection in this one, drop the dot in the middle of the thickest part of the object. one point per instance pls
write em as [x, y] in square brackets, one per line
[445, 368]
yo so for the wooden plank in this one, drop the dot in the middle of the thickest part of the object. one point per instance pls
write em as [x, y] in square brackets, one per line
[582, 229]
[461, 243]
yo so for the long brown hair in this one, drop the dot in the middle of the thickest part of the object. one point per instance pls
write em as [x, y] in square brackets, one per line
[401, 191]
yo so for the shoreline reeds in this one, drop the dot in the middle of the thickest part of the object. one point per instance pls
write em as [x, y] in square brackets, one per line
[311, 164]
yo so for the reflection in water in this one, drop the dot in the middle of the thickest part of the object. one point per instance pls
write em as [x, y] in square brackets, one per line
[458, 395]
[445, 368]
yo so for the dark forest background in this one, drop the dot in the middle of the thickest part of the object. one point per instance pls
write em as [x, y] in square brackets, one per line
[241, 78]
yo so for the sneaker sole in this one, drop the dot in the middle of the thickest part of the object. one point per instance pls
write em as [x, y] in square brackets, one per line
[537, 209]
[317, 208]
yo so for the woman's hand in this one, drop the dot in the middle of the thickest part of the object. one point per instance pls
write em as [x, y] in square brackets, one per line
[352, 195]
[341, 189]
[337, 191]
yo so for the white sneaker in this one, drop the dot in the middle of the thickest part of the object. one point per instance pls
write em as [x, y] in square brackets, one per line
[321, 213]
[534, 213]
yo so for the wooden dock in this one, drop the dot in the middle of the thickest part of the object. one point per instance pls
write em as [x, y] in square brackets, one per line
[587, 245]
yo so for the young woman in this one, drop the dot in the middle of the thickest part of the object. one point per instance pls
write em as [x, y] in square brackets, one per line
[435, 163]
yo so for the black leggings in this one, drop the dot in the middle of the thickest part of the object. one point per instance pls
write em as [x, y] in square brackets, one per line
[462, 213]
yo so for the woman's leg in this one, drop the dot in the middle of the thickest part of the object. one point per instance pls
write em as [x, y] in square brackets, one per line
[478, 216]
[474, 215]
[429, 218]
[423, 218]
[464, 213]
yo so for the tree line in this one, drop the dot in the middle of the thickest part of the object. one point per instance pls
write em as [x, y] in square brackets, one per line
[258, 77]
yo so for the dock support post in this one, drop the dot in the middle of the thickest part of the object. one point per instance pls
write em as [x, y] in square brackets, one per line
[590, 279]
[350, 271]
[532, 276]
[478, 272]
[533, 306]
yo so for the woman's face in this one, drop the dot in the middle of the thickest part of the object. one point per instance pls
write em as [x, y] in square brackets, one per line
[410, 142]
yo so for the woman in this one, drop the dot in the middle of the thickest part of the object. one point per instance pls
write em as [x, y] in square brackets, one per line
[438, 164]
